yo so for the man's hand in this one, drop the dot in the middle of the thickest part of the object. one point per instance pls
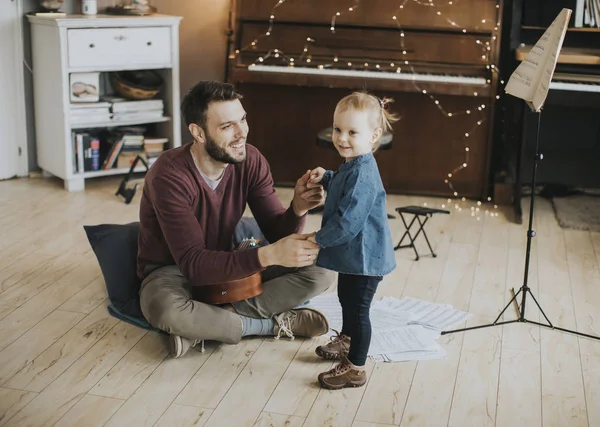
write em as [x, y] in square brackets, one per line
[306, 196]
[292, 251]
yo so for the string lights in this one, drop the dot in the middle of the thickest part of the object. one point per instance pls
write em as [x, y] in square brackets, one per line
[400, 67]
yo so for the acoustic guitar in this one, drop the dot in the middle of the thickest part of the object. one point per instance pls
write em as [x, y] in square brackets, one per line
[233, 290]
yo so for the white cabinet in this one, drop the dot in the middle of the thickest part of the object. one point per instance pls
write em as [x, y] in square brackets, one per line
[103, 43]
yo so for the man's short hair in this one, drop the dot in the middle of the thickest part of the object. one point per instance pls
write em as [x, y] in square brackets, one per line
[195, 103]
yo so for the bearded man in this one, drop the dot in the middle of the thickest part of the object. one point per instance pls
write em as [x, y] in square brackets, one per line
[194, 196]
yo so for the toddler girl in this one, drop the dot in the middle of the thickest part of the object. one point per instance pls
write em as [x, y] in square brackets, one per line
[355, 237]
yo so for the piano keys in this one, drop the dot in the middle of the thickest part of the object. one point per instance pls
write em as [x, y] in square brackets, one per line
[576, 82]
[438, 67]
[453, 84]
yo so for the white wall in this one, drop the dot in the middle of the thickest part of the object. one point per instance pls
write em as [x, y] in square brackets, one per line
[12, 143]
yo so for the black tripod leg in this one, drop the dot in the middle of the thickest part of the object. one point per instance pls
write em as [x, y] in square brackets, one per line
[566, 330]
[551, 326]
[495, 323]
[538, 306]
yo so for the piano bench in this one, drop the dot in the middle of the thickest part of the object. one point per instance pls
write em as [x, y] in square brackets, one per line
[324, 139]
[418, 212]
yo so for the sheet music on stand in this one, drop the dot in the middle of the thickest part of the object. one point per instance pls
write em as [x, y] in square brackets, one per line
[531, 80]
[403, 330]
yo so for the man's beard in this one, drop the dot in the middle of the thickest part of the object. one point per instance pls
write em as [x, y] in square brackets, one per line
[218, 153]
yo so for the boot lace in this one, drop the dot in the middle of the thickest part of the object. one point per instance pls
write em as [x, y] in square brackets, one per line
[284, 321]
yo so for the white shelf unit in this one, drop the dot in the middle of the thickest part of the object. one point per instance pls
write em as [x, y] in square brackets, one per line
[102, 43]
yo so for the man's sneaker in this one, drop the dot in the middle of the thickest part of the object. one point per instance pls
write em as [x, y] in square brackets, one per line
[334, 350]
[345, 374]
[303, 322]
[178, 346]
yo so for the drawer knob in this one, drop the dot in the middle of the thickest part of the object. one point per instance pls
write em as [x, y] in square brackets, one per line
[149, 43]
[120, 37]
[92, 45]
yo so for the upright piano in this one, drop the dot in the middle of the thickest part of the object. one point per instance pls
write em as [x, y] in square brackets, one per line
[294, 59]
[570, 118]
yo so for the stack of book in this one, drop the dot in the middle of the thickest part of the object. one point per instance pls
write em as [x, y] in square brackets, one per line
[124, 110]
[153, 147]
[133, 146]
[90, 112]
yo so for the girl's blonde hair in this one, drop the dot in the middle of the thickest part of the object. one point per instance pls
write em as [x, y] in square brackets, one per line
[363, 101]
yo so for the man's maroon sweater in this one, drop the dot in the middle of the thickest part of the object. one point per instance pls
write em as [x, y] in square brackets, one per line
[184, 222]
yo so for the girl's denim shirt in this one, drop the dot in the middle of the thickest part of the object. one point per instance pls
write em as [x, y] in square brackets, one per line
[355, 236]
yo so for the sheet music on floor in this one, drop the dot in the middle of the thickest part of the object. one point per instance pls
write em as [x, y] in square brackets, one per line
[427, 314]
[403, 330]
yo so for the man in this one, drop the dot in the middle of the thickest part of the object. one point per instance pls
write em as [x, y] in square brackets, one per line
[193, 198]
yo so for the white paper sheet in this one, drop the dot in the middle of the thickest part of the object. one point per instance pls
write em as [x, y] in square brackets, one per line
[402, 330]
[427, 314]
[405, 339]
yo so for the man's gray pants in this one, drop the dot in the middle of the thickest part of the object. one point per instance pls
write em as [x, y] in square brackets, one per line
[167, 304]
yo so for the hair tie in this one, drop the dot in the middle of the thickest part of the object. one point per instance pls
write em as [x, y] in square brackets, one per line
[382, 103]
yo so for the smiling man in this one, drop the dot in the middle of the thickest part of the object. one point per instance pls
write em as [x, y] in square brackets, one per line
[193, 198]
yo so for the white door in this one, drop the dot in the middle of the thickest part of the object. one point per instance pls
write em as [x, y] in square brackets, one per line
[13, 141]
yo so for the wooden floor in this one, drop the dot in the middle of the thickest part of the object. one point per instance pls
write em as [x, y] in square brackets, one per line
[65, 361]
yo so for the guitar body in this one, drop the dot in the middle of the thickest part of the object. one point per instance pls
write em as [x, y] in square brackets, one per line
[233, 290]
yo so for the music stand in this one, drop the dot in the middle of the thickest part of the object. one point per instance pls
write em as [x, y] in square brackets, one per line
[532, 86]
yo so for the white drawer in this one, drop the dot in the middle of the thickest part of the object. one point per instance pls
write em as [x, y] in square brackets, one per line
[110, 47]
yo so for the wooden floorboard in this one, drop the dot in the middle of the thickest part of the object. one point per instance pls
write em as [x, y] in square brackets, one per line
[65, 361]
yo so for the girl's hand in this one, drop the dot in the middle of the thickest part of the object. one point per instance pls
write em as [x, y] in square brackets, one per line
[316, 175]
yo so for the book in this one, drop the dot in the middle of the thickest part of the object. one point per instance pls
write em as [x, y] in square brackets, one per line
[531, 80]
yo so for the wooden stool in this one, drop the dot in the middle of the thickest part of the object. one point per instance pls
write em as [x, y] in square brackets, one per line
[418, 212]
